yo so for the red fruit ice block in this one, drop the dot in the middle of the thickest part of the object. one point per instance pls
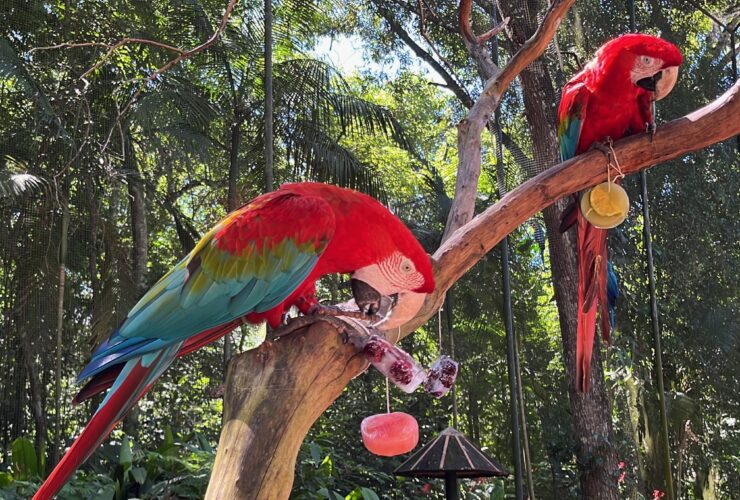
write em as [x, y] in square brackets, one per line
[441, 376]
[394, 363]
[390, 434]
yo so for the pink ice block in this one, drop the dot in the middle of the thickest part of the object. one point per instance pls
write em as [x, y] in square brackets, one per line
[390, 434]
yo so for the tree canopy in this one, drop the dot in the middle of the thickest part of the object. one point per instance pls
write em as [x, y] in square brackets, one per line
[113, 164]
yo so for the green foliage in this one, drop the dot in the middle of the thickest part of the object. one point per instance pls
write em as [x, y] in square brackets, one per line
[177, 469]
[25, 461]
[384, 130]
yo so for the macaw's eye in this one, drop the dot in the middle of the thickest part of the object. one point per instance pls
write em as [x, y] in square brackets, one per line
[647, 60]
[407, 267]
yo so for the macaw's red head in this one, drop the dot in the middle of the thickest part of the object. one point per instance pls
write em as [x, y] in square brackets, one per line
[400, 269]
[380, 253]
[646, 61]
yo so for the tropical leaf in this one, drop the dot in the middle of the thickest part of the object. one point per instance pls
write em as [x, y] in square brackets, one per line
[15, 182]
[13, 68]
[314, 90]
[316, 156]
[25, 461]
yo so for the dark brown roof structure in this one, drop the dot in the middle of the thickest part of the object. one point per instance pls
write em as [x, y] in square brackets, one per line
[451, 451]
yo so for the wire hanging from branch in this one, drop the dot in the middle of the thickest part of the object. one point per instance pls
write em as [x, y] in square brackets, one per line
[448, 313]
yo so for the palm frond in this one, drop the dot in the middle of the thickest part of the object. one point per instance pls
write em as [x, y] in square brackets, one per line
[312, 89]
[316, 156]
[15, 184]
[175, 100]
[13, 68]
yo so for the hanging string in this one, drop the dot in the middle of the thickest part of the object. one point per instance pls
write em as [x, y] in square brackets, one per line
[439, 329]
[387, 397]
[454, 387]
[613, 165]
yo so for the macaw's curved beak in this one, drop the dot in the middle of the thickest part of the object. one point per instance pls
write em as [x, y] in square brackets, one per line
[366, 297]
[406, 305]
[661, 83]
[664, 85]
[395, 309]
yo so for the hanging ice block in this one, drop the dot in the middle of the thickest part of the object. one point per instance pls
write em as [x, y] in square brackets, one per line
[394, 363]
[441, 376]
[390, 434]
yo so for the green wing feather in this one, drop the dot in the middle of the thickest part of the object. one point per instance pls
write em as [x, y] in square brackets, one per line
[249, 263]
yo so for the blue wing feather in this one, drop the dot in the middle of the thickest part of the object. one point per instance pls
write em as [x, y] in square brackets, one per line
[612, 292]
[213, 286]
[571, 115]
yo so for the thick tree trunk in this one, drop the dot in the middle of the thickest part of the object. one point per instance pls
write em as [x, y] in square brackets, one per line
[139, 251]
[233, 199]
[233, 202]
[591, 412]
[59, 331]
[139, 234]
[274, 394]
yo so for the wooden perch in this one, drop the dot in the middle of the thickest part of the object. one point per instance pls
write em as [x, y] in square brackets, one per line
[715, 122]
[275, 393]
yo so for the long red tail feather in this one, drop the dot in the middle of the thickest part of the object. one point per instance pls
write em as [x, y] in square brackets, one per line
[134, 386]
[592, 276]
[105, 379]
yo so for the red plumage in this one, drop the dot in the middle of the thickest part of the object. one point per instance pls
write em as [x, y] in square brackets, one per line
[610, 98]
[254, 265]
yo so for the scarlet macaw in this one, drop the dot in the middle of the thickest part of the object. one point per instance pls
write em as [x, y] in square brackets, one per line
[611, 97]
[253, 265]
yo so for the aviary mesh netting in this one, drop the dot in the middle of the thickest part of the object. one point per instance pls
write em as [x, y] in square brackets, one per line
[113, 164]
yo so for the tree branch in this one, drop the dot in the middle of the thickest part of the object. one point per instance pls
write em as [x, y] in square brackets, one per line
[466, 8]
[452, 84]
[200, 48]
[711, 124]
[469, 129]
[276, 392]
[112, 47]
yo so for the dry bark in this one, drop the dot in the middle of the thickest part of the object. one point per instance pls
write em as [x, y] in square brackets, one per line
[275, 393]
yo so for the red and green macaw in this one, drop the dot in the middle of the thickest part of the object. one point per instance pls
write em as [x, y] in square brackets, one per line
[612, 97]
[252, 266]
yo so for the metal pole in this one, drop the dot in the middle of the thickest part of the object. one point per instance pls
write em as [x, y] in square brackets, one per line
[734, 69]
[452, 491]
[511, 352]
[268, 98]
[656, 338]
[511, 358]
[647, 234]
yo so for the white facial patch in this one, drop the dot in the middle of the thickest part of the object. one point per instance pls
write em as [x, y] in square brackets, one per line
[396, 273]
[645, 67]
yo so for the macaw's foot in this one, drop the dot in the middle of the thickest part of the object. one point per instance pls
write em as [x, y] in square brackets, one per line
[650, 129]
[352, 330]
[605, 147]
